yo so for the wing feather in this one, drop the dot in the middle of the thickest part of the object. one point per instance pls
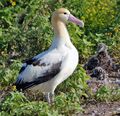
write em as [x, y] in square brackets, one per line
[39, 71]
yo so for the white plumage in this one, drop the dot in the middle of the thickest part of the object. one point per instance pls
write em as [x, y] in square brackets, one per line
[48, 69]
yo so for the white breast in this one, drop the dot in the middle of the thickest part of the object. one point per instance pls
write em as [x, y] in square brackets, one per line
[68, 66]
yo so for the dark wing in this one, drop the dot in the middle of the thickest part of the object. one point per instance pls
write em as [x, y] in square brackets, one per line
[31, 61]
[28, 62]
[39, 71]
[52, 71]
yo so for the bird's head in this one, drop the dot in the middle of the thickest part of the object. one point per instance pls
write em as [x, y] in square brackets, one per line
[102, 48]
[65, 16]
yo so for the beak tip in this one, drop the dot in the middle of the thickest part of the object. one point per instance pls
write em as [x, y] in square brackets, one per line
[81, 24]
[76, 21]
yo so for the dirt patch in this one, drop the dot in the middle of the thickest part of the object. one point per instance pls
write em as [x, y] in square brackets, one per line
[101, 109]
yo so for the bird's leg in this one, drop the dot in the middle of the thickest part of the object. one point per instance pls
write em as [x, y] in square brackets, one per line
[49, 97]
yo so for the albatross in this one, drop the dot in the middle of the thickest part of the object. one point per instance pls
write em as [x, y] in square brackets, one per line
[45, 71]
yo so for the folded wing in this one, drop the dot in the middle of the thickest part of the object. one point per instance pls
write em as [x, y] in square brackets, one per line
[39, 69]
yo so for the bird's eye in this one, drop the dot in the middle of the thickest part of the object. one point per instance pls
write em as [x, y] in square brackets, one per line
[65, 13]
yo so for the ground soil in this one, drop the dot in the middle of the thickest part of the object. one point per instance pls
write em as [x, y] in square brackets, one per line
[101, 109]
[94, 108]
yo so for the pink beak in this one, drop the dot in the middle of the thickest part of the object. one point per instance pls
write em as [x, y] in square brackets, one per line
[75, 20]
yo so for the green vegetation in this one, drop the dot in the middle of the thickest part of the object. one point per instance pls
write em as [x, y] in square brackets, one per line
[25, 30]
